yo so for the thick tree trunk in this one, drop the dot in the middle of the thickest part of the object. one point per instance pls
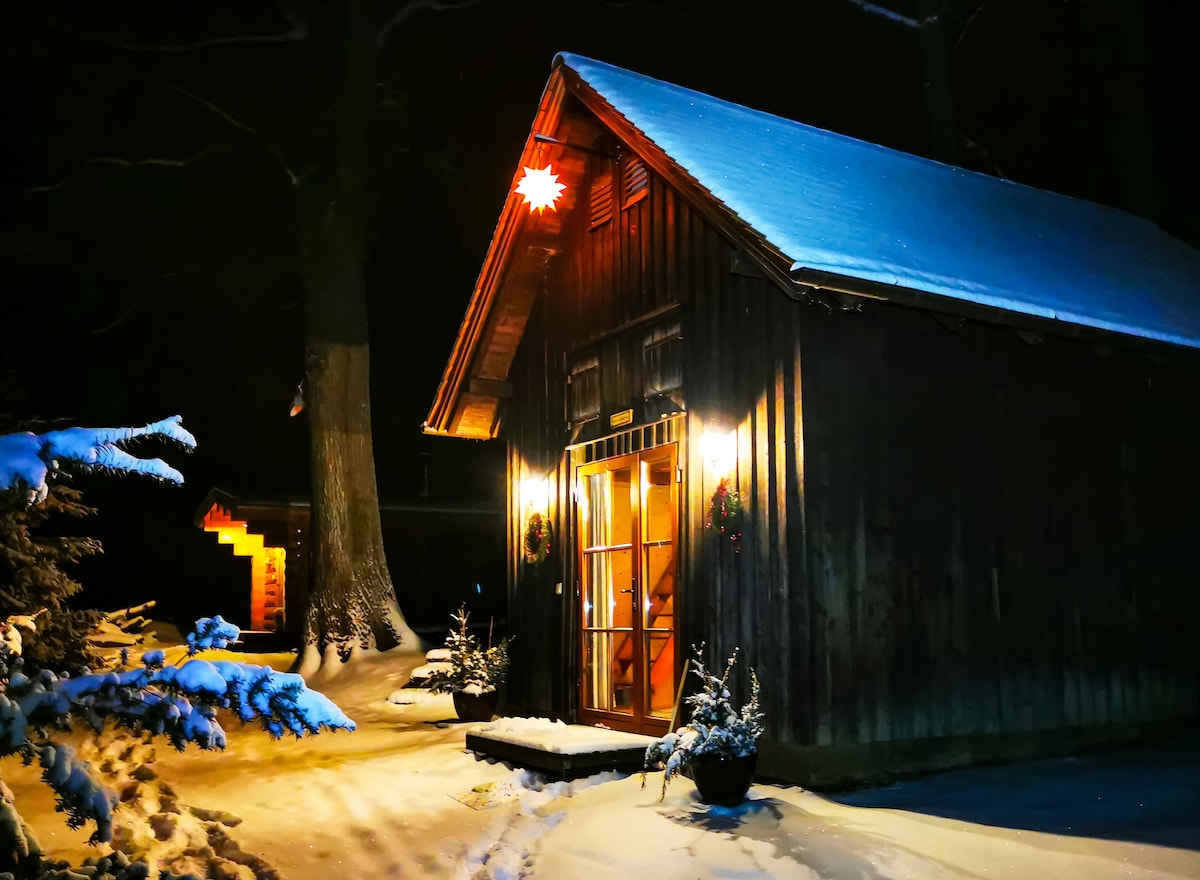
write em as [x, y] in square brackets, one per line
[935, 67]
[353, 602]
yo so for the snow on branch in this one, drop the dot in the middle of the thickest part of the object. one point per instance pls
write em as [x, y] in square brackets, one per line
[26, 458]
[889, 14]
[179, 703]
[406, 12]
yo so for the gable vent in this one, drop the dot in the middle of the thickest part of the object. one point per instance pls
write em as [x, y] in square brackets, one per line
[635, 181]
[601, 200]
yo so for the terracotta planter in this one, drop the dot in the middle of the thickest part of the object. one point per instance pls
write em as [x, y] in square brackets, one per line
[723, 781]
[475, 707]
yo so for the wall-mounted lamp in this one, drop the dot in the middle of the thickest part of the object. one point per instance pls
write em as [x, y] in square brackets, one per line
[537, 536]
[535, 495]
[719, 450]
[539, 188]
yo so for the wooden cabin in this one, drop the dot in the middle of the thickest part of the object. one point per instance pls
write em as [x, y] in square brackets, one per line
[271, 530]
[960, 416]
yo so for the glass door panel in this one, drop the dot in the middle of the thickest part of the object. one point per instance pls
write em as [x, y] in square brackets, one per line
[607, 514]
[627, 527]
[658, 567]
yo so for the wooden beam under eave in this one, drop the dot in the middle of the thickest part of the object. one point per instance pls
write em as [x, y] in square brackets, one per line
[477, 417]
[513, 303]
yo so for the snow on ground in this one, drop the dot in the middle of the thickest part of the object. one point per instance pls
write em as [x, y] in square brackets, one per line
[394, 800]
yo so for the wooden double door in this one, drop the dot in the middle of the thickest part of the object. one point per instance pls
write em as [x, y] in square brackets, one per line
[628, 528]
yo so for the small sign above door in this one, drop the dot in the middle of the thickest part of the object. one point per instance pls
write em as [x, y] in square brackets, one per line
[620, 419]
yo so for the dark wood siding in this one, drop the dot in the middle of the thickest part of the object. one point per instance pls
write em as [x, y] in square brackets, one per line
[998, 531]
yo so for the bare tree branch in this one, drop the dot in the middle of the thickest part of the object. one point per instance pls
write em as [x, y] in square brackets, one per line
[118, 321]
[297, 31]
[408, 10]
[164, 163]
[243, 127]
[127, 163]
[970, 21]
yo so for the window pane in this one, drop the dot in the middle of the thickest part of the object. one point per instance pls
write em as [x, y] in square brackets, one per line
[608, 679]
[660, 674]
[658, 516]
[607, 509]
[608, 600]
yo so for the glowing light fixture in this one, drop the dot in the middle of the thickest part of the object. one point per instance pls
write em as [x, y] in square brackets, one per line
[719, 450]
[535, 494]
[539, 188]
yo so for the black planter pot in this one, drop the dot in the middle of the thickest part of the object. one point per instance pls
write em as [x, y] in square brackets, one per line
[723, 781]
[475, 707]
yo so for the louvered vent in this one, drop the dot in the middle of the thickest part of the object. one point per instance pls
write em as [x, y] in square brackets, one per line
[662, 359]
[584, 389]
[602, 200]
[635, 181]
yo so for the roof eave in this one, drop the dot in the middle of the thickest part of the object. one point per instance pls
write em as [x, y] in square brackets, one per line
[816, 280]
[447, 415]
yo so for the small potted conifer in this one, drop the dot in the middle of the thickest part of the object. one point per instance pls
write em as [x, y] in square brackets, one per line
[718, 747]
[472, 674]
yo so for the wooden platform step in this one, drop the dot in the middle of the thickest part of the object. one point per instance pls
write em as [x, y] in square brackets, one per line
[565, 751]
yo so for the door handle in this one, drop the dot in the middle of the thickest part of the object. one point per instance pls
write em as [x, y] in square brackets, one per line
[627, 591]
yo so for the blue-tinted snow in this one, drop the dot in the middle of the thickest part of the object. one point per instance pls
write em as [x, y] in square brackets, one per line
[836, 204]
[1147, 793]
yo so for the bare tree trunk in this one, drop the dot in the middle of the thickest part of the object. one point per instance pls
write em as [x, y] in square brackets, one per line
[353, 602]
[935, 69]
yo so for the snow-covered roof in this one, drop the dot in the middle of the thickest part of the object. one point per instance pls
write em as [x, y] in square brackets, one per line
[834, 204]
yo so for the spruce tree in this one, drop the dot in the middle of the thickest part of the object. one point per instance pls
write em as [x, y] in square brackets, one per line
[33, 582]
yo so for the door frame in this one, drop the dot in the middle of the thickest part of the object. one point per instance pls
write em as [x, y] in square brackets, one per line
[639, 721]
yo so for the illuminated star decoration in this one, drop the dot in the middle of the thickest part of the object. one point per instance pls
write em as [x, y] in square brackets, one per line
[540, 188]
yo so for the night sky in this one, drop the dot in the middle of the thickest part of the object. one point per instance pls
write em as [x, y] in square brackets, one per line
[148, 263]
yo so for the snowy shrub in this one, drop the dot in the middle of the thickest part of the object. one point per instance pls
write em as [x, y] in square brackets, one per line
[211, 633]
[180, 703]
[716, 727]
[471, 669]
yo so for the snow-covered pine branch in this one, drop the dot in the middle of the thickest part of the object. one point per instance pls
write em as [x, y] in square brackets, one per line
[176, 702]
[26, 459]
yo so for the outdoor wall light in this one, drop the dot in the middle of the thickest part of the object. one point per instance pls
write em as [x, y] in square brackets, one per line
[540, 189]
[719, 450]
[535, 495]
[537, 534]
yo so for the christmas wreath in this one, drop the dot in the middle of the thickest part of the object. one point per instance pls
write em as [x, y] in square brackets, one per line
[536, 542]
[725, 513]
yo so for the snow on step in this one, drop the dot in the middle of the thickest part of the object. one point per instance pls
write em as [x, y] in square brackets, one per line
[568, 750]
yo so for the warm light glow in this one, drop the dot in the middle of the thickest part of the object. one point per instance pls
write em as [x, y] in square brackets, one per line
[535, 495]
[719, 450]
[540, 188]
[267, 566]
